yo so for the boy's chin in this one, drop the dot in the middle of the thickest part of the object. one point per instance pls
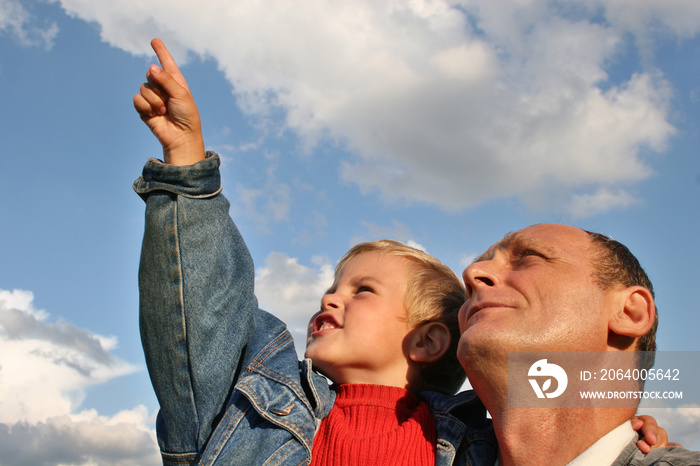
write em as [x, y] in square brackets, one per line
[309, 354]
[314, 350]
[318, 362]
[314, 356]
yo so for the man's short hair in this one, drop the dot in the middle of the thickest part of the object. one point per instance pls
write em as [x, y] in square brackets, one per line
[434, 293]
[615, 265]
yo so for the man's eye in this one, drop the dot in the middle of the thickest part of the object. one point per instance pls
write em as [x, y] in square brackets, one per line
[529, 253]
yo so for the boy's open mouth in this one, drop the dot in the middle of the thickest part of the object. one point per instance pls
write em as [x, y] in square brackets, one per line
[325, 321]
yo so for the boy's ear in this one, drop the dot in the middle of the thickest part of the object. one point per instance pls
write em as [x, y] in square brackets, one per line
[429, 342]
[635, 313]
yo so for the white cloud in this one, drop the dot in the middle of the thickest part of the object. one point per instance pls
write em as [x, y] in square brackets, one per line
[23, 27]
[602, 201]
[292, 291]
[645, 17]
[416, 245]
[447, 103]
[268, 203]
[45, 370]
[264, 205]
[82, 439]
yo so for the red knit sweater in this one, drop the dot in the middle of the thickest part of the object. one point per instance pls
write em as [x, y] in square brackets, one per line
[376, 425]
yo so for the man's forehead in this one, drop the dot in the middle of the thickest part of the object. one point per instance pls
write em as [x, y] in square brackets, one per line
[545, 237]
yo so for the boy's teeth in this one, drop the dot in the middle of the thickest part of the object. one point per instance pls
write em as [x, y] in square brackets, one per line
[327, 325]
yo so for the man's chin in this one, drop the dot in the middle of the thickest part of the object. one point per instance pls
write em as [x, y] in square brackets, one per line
[475, 341]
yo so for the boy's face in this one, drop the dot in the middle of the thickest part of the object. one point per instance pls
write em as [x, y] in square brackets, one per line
[358, 335]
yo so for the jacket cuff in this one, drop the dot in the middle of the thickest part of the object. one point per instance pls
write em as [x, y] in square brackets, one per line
[199, 180]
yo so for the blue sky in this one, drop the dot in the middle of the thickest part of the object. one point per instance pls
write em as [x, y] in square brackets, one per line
[443, 124]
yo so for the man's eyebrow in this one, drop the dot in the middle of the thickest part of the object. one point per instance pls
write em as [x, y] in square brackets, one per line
[485, 256]
[490, 252]
[514, 240]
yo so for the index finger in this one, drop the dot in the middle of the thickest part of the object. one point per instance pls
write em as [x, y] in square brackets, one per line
[168, 62]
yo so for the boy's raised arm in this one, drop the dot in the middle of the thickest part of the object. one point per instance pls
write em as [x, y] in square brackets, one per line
[166, 105]
[196, 276]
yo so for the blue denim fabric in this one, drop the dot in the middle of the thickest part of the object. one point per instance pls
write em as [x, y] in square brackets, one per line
[465, 435]
[230, 388]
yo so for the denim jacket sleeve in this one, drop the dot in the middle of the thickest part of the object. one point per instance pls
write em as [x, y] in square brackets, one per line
[197, 301]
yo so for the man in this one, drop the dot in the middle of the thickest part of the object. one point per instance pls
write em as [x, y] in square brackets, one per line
[557, 288]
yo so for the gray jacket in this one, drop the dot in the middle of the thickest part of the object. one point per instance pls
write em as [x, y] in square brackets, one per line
[671, 456]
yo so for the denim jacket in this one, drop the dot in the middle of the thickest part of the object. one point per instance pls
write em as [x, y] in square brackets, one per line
[230, 387]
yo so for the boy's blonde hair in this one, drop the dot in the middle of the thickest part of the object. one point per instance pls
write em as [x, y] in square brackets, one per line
[434, 293]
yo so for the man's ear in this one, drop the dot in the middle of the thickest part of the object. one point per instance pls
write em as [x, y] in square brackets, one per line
[634, 314]
[429, 342]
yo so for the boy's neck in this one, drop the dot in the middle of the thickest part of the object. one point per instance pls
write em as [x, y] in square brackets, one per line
[391, 377]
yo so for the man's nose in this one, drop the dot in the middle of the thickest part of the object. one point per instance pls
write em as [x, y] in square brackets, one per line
[479, 274]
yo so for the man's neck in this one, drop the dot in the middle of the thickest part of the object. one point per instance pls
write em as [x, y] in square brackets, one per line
[542, 435]
[550, 436]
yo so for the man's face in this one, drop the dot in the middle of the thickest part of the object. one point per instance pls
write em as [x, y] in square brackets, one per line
[534, 291]
[357, 337]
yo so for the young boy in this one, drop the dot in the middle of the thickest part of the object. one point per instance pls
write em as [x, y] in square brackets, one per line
[230, 387]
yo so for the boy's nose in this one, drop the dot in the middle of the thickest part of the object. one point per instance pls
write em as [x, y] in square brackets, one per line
[330, 301]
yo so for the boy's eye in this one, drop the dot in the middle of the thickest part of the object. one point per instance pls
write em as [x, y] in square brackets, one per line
[364, 288]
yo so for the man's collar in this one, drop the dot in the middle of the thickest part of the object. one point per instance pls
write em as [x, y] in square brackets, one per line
[608, 447]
